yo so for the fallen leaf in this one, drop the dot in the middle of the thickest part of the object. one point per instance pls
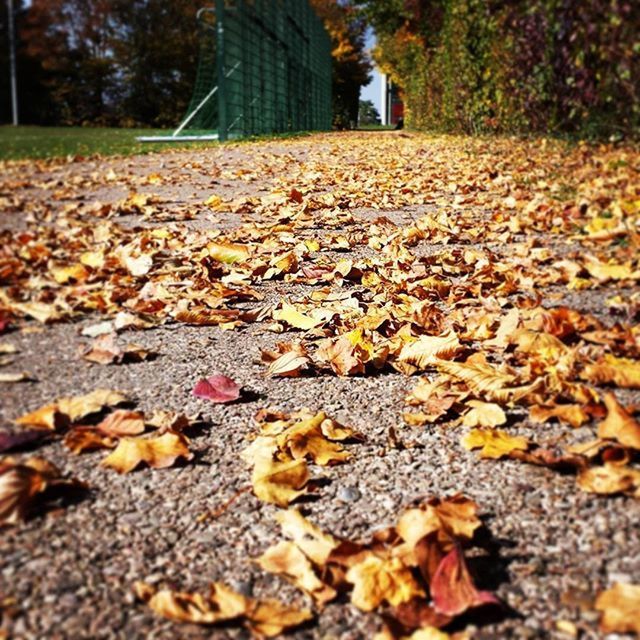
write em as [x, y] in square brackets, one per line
[427, 350]
[619, 425]
[286, 559]
[452, 588]
[620, 606]
[483, 414]
[610, 479]
[218, 389]
[158, 452]
[105, 350]
[223, 605]
[22, 484]
[623, 372]
[376, 580]
[294, 318]
[278, 482]
[493, 442]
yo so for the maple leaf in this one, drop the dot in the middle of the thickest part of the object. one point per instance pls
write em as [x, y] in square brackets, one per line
[218, 389]
[620, 606]
[493, 442]
[619, 425]
[452, 588]
[158, 452]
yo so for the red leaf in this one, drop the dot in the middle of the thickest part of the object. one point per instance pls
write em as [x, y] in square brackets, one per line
[452, 588]
[218, 388]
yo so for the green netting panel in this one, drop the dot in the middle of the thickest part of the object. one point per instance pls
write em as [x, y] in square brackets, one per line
[271, 63]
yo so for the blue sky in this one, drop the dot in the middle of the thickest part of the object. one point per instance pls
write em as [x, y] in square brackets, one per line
[372, 90]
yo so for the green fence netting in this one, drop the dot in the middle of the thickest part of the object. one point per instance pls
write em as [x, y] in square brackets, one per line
[265, 67]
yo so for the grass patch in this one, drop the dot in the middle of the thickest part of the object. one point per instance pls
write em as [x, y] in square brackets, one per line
[53, 142]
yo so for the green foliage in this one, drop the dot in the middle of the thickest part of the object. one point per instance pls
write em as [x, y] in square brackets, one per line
[367, 113]
[494, 65]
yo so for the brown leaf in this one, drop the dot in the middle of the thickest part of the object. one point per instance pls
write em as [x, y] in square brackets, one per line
[619, 425]
[264, 617]
[21, 484]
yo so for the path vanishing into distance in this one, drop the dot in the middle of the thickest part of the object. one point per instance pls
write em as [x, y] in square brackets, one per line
[333, 386]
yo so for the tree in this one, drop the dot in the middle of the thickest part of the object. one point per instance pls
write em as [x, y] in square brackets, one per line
[368, 114]
[351, 64]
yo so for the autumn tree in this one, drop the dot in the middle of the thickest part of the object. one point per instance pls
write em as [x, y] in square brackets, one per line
[487, 65]
[351, 65]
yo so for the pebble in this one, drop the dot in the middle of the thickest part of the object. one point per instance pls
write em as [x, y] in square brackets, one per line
[349, 494]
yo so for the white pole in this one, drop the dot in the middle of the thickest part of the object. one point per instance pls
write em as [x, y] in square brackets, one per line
[383, 100]
[12, 64]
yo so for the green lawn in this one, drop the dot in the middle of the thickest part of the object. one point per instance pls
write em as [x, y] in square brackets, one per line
[52, 142]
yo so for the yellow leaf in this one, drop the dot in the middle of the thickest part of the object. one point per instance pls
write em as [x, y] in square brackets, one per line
[623, 372]
[376, 580]
[573, 414]
[78, 407]
[619, 425]
[610, 479]
[620, 607]
[294, 318]
[279, 482]
[158, 452]
[313, 542]
[286, 559]
[493, 442]
[74, 272]
[483, 414]
[427, 350]
[228, 252]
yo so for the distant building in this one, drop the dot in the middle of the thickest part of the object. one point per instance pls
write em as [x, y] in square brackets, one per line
[392, 108]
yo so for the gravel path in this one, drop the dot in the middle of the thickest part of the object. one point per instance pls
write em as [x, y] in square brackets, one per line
[68, 574]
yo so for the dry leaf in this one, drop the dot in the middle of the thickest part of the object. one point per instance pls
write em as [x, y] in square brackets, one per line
[493, 442]
[376, 580]
[483, 414]
[218, 389]
[278, 482]
[452, 589]
[158, 452]
[610, 479]
[620, 607]
[619, 425]
[22, 483]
